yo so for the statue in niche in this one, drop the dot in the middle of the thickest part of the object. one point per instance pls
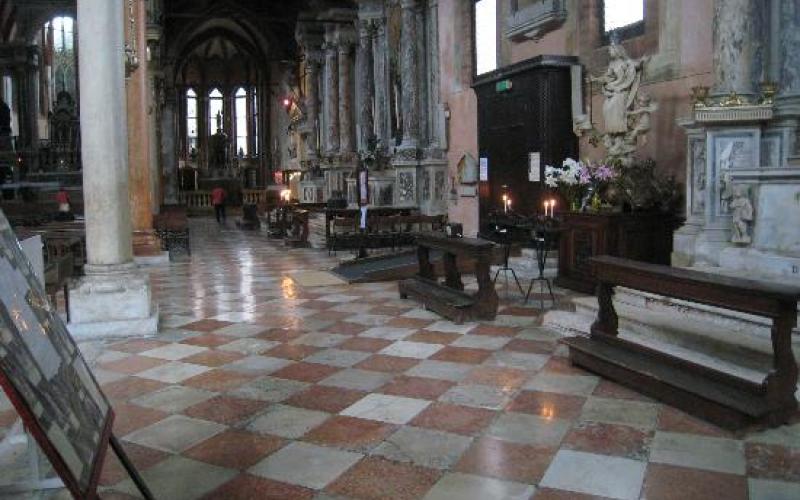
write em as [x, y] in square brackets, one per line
[742, 210]
[626, 112]
[620, 86]
[699, 169]
[218, 147]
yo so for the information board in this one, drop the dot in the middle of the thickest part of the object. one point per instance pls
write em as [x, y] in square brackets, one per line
[45, 376]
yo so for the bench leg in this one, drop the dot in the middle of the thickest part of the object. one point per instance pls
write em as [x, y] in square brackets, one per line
[781, 383]
[607, 322]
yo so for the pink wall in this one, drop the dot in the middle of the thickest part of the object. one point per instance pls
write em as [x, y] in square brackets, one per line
[678, 39]
[456, 63]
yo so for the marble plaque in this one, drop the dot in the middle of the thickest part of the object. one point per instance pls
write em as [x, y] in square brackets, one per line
[45, 375]
[732, 151]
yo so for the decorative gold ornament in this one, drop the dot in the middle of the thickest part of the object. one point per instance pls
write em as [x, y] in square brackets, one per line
[700, 96]
[131, 52]
[768, 91]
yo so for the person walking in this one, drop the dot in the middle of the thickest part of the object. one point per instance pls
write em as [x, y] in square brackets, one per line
[218, 196]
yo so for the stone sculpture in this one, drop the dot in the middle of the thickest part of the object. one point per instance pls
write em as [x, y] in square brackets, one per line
[743, 215]
[626, 112]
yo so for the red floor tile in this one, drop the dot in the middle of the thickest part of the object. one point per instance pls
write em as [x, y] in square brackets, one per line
[673, 420]
[208, 340]
[387, 364]
[218, 380]
[133, 364]
[553, 494]
[214, 358]
[247, 487]
[454, 418]
[136, 346]
[306, 372]
[329, 399]
[495, 330]
[142, 457]
[506, 460]
[130, 387]
[530, 346]
[206, 325]
[364, 344]
[609, 439]
[350, 433]
[379, 479]
[225, 410]
[409, 322]
[281, 334]
[508, 379]
[346, 328]
[416, 387]
[235, 449]
[131, 417]
[608, 389]
[430, 337]
[462, 355]
[668, 482]
[768, 461]
[295, 352]
[547, 404]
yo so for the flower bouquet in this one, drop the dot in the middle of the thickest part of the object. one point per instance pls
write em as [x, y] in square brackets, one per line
[580, 183]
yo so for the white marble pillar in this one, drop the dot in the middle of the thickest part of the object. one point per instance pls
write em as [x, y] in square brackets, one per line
[383, 113]
[346, 129]
[331, 92]
[738, 46]
[409, 75]
[113, 299]
[365, 84]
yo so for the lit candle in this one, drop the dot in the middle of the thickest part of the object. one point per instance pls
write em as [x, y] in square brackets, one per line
[546, 204]
[552, 208]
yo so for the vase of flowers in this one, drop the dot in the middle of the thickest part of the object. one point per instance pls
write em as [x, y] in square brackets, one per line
[580, 182]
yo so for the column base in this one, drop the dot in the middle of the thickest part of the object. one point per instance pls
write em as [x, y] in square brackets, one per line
[110, 302]
[147, 249]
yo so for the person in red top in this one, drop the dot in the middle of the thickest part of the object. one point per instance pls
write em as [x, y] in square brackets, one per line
[64, 208]
[218, 196]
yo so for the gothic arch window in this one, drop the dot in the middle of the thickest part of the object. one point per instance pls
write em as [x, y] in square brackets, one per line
[216, 111]
[622, 19]
[242, 132]
[191, 120]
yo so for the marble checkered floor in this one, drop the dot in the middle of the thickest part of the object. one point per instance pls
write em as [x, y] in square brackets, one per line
[257, 388]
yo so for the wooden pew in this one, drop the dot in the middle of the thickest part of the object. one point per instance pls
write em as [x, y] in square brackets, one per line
[171, 225]
[449, 299]
[721, 397]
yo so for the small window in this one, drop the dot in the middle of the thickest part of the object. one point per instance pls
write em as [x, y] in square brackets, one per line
[241, 122]
[619, 15]
[485, 36]
[191, 120]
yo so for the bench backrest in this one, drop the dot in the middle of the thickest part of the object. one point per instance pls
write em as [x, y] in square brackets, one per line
[761, 298]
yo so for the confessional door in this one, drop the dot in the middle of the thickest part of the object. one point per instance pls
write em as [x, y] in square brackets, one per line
[522, 109]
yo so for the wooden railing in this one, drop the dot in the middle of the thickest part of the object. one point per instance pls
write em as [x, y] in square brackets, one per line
[254, 196]
[195, 199]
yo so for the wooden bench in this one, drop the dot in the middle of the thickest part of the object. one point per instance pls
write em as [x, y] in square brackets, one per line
[719, 396]
[449, 299]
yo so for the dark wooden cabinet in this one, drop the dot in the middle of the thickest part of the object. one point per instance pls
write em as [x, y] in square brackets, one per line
[645, 237]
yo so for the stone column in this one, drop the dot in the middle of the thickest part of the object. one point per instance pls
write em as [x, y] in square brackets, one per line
[380, 51]
[789, 40]
[313, 63]
[409, 69]
[365, 83]
[169, 147]
[346, 129]
[331, 93]
[113, 299]
[145, 244]
[738, 46]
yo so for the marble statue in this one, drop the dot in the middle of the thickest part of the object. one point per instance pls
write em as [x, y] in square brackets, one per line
[620, 86]
[742, 210]
[626, 111]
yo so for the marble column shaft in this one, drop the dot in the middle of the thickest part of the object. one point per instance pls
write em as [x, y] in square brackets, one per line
[312, 101]
[104, 135]
[139, 161]
[346, 129]
[169, 147]
[738, 46]
[331, 97]
[383, 112]
[365, 83]
[409, 79]
[789, 50]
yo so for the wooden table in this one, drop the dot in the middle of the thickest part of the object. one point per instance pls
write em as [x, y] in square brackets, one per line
[449, 299]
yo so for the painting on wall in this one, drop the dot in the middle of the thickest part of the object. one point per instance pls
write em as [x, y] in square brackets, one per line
[46, 377]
